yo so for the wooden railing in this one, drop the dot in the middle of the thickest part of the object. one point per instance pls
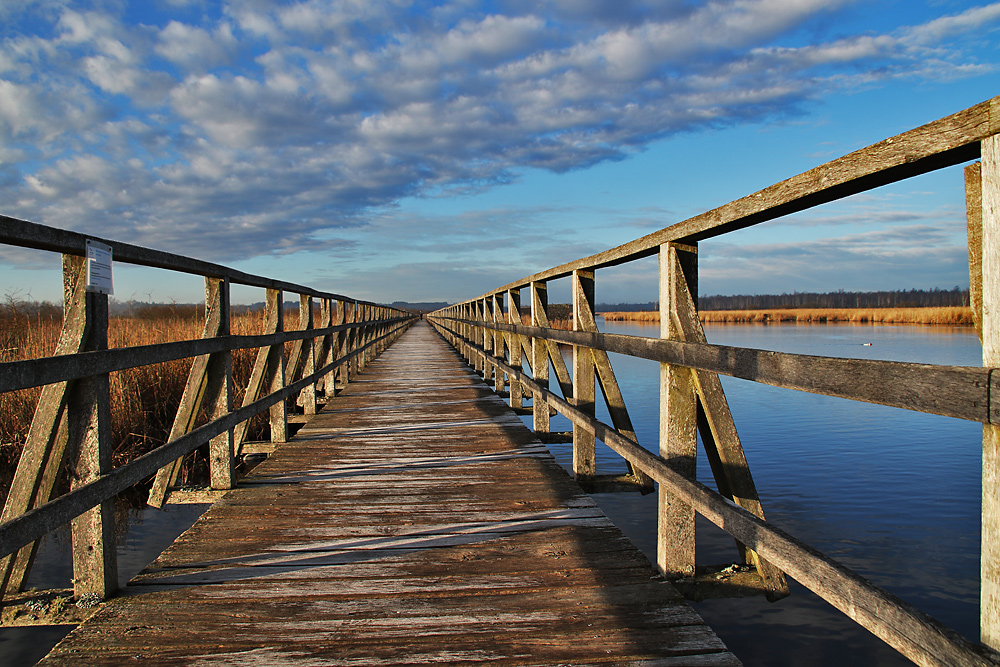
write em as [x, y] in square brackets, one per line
[71, 424]
[498, 343]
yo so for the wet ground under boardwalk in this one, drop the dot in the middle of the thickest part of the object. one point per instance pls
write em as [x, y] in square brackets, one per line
[414, 520]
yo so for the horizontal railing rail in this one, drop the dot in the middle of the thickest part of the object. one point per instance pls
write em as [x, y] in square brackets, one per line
[71, 425]
[25, 234]
[963, 392]
[28, 373]
[491, 331]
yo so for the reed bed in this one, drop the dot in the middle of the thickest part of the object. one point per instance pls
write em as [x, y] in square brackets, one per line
[950, 316]
[144, 400]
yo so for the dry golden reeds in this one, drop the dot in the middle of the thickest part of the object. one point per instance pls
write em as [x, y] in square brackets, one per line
[144, 400]
[950, 315]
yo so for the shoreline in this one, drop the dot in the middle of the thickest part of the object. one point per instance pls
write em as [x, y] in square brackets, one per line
[945, 315]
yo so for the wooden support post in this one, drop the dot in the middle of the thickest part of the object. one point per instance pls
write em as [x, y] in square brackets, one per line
[222, 472]
[720, 438]
[304, 363]
[584, 456]
[45, 447]
[210, 379]
[539, 357]
[95, 562]
[275, 373]
[487, 337]
[675, 547]
[514, 346]
[478, 336]
[496, 308]
[350, 315]
[366, 336]
[326, 351]
[585, 318]
[990, 556]
[469, 313]
[974, 220]
[358, 340]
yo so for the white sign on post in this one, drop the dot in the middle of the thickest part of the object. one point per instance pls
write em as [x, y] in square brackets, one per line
[99, 268]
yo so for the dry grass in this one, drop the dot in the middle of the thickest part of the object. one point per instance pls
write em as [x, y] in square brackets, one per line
[144, 400]
[951, 316]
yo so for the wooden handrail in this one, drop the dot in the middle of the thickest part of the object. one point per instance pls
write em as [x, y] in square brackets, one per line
[27, 234]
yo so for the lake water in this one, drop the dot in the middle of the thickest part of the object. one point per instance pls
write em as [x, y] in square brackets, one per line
[150, 531]
[892, 494]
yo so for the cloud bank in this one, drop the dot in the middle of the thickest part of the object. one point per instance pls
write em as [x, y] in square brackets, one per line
[258, 127]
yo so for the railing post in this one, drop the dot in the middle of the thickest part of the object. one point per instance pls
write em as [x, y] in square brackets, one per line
[276, 364]
[584, 396]
[514, 346]
[366, 336]
[476, 336]
[95, 564]
[990, 556]
[45, 449]
[307, 397]
[675, 549]
[326, 350]
[222, 474]
[539, 357]
[499, 383]
[487, 337]
[346, 340]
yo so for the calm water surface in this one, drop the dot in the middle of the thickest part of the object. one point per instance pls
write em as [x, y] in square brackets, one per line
[892, 494]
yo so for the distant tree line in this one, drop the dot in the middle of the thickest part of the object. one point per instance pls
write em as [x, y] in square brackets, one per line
[913, 298]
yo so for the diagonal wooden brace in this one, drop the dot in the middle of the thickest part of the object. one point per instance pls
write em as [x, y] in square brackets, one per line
[718, 433]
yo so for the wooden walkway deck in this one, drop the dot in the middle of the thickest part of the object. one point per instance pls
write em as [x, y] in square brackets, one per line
[415, 520]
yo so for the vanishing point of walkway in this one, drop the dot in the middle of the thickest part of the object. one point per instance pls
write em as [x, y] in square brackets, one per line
[414, 520]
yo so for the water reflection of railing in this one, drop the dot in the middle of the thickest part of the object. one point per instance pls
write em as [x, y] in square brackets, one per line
[497, 341]
[71, 425]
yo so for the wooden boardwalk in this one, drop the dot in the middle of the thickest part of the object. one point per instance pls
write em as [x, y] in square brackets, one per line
[414, 520]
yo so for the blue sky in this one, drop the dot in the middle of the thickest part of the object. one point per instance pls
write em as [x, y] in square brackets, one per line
[395, 150]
